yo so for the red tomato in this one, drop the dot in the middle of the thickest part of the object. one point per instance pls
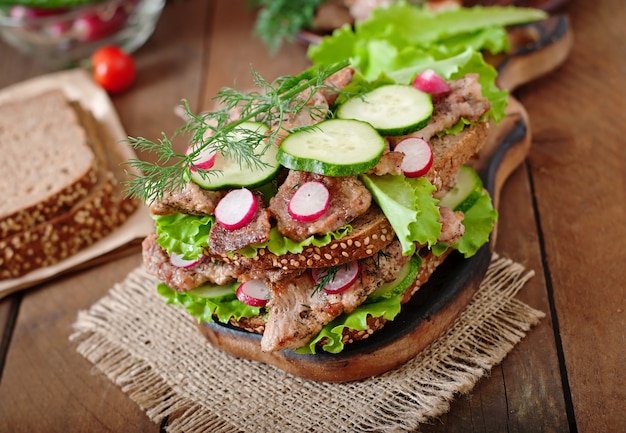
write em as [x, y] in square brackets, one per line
[113, 69]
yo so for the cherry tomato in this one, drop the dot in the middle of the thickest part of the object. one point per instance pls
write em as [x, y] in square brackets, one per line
[113, 68]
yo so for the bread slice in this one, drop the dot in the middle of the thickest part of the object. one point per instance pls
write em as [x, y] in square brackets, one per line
[89, 220]
[47, 166]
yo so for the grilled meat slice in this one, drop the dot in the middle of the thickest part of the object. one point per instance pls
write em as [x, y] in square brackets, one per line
[297, 312]
[191, 200]
[349, 198]
[157, 262]
[222, 241]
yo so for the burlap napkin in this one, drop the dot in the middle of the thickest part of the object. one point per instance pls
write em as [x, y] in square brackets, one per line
[156, 355]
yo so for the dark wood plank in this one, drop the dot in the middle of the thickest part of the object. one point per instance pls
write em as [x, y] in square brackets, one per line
[578, 164]
[46, 385]
[524, 393]
[234, 50]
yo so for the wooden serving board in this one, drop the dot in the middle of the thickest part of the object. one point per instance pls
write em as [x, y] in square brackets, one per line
[538, 49]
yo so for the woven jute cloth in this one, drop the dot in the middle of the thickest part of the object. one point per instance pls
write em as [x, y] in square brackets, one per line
[155, 353]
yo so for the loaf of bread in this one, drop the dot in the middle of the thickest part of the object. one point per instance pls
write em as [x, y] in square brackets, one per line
[47, 166]
[94, 210]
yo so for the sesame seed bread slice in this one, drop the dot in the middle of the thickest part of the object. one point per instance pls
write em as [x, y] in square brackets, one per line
[47, 166]
[99, 213]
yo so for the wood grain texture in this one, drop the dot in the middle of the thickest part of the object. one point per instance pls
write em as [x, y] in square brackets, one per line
[561, 214]
[578, 166]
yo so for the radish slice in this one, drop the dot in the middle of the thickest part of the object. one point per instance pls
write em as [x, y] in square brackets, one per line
[430, 82]
[236, 209]
[345, 276]
[309, 202]
[418, 156]
[178, 261]
[253, 292]
[204, 160]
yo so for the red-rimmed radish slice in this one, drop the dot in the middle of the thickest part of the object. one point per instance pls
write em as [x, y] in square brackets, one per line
[429, 81]
[236, 209]
[253, 292]
[418, 156]
[343, 278]
[178, 261]
[309, 202]
[204, 160]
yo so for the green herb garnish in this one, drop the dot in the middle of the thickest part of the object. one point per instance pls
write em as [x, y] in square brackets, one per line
[279, 21]
[216, 129]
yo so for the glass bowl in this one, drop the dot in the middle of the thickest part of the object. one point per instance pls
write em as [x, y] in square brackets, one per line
[62, 37]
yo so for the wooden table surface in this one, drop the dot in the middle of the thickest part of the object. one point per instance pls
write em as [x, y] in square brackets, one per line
[562, 214]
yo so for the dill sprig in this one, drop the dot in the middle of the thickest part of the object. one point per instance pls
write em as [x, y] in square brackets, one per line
[218, 131]
[327, 276]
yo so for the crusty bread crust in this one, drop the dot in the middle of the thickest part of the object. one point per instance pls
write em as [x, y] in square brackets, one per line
[44, 146]
[92, 218]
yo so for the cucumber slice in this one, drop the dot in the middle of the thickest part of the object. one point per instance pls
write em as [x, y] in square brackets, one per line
[468, 189]
[406, 277]
[394, 109]
[215, 292]
[228, 173]
[336, 147]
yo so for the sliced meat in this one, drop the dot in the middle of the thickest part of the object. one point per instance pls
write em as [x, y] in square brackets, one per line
[464, 100]
[349, 198]
[297, 312]
[389, 163]
[256, 231]
[452, 227]
[192, 200]
[157, 262]
[335, 83]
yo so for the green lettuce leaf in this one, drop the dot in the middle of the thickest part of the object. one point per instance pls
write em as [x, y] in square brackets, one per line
[203, 309]
[183, 234]
[479, 222]
[409, 38]
[388, 308]
[409, 206]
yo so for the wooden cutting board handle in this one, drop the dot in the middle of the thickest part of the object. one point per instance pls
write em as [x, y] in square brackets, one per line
[537, 49]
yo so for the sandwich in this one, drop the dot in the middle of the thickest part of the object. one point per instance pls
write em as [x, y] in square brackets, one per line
[311, 225]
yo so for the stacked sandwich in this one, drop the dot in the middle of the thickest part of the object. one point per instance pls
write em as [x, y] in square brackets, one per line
[359, 192]
[61, 183]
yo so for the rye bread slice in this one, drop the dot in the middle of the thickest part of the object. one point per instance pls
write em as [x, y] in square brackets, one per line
[95, 216]
[47, 166]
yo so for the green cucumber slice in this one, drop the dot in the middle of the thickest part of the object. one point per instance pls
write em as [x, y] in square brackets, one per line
[393, 109]
[228, 173]
[404, 279]
[336, 147]
[215, 292]
[468, 189]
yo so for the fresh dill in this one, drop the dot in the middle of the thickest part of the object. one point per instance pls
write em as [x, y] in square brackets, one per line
[327, 276]
[217, 130]
[279, 21]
